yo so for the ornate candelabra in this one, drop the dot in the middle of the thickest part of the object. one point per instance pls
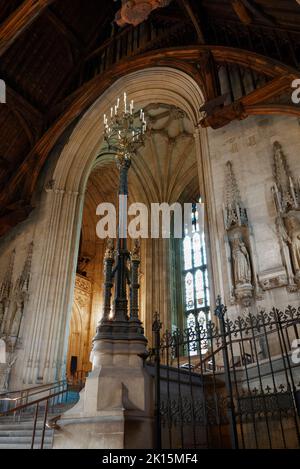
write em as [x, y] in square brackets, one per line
[124, 132]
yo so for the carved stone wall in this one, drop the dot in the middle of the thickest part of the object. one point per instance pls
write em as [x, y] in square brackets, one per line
[249, 145]
[242, 278]
[286, 193]
[14, 295]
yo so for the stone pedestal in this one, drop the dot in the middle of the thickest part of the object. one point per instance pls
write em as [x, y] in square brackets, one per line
[115, 410]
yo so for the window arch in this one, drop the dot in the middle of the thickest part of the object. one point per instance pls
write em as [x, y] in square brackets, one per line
[195, 275]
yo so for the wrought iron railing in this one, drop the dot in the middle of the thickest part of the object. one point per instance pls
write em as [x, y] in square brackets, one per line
[229, 383]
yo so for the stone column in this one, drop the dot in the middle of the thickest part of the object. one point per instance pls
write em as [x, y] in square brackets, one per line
[47, 334]
[211, 226]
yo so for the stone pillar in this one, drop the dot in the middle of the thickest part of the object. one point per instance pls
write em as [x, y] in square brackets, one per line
[47, 338]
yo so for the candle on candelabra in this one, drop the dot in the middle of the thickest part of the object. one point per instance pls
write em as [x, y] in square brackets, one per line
[125, 103]
[131, 107]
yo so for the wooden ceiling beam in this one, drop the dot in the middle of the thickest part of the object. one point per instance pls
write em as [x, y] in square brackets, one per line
[222, 116]
[256, 11]
[189, 11]
[29, 117]
[182, 58]
[241, 11]
[19, 21]
[64, 30]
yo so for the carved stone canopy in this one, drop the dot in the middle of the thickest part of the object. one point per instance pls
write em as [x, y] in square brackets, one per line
[234, 212]
[286, 190]
[136, 11]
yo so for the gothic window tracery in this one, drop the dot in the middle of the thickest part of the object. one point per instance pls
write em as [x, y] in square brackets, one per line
[195, 274]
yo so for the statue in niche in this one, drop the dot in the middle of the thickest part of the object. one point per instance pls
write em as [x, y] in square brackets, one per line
[286, 193]
[241, 262]
[293, 229]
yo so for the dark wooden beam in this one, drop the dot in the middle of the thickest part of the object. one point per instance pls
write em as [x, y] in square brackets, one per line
[20, 20]
[29, 117]
[181, 58]
[186, 6]
[208, 69]
[259, 13]
[64, 30]
[223, 115]
[241, 11]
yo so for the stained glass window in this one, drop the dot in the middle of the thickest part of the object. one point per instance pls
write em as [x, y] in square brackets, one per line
[196, 282]
[189, 291]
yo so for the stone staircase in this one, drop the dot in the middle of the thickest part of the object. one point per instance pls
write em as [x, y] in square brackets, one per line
[14, 435]
[18, 435]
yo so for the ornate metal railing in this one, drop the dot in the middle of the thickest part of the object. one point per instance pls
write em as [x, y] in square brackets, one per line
[229, 383]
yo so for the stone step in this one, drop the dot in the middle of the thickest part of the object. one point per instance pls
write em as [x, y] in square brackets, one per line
[26, 433]
[20, 426]
[24, 439]
[23, 446]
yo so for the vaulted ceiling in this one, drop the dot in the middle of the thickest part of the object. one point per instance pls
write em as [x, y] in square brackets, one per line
[53, 52]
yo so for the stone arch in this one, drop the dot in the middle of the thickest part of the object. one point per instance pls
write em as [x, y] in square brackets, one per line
[52, 304]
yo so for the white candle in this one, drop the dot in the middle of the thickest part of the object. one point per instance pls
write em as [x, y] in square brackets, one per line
[111, 112]
[141, 114]
[104, 119]
[125, 102]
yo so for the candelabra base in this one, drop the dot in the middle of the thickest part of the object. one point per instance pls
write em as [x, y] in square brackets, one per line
[132, 329]
[116, 407]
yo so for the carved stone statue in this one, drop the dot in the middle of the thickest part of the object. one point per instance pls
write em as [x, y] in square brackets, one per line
[293, 228]
[136, 11]
[241, 262]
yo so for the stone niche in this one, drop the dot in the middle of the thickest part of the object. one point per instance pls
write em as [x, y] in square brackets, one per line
[238, 244]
